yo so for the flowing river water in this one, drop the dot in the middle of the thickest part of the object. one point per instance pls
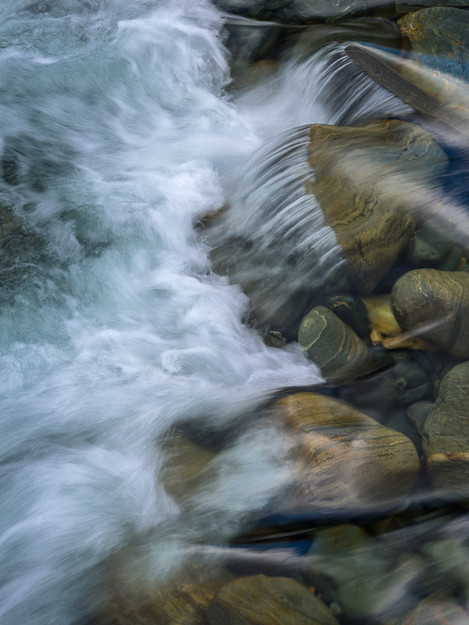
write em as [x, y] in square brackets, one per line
[117, 134]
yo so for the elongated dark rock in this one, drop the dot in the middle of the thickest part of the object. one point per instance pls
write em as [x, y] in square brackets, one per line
[377, 66]
[435, 305]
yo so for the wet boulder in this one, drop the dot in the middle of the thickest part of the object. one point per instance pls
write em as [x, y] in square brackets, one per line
[333, 346]
[352, 311]
[435, 306]
[294, 237]
[344, 459]
[261, 600]
[368, 182]
[445, 435]
[186, 469]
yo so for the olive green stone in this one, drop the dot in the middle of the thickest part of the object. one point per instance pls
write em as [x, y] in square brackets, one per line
[435, 305]
[332, 345]
[352, 311]
[437, 610]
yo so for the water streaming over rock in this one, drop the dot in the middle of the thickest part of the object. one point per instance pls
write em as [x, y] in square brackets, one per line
[117, 134]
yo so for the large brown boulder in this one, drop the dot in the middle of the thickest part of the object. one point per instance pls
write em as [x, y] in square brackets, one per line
[445, 435]
[435, 306]
[261, 600]
[345, 460]
[367, 182]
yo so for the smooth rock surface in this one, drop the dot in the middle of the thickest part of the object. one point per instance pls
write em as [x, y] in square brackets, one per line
[439, 37]
[435, 305]
[332, 345]
[445, 434]
[368, 182]
[261, 600]
[345, 460]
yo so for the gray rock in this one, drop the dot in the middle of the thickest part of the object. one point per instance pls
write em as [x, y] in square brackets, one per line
[418, 413]
[445, 435]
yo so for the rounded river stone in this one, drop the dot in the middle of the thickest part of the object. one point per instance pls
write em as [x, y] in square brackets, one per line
[435, 305]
